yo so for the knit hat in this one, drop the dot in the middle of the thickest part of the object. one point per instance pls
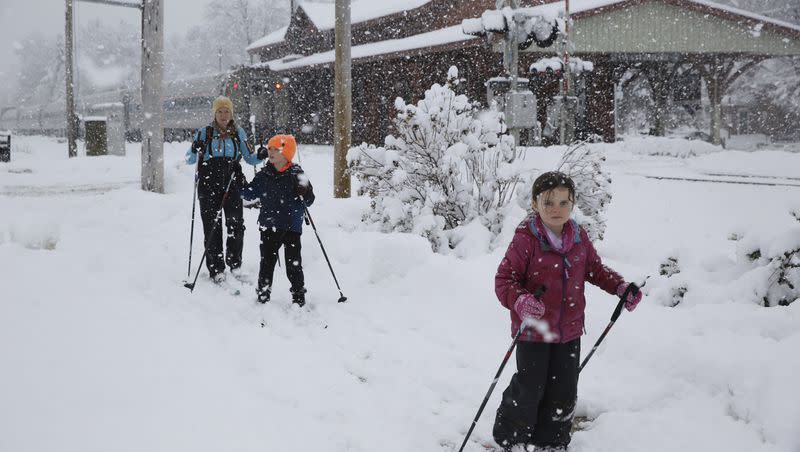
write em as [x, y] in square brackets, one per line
[222, 102]
[285, 143]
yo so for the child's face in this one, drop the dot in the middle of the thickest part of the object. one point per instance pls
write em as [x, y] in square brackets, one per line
[554, 207]
[277, 159]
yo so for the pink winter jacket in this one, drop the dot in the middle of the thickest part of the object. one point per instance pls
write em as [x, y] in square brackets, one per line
[531, 262]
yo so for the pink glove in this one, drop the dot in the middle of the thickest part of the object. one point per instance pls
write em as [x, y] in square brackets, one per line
[528, 306]
[632, 299]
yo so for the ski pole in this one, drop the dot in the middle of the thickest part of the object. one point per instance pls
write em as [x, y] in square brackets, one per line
[537, 293]
[190, 285]
[342, 298]
[632, 288]
[194, 205]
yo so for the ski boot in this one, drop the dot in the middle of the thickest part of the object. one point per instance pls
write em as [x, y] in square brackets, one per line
[263, 295]
[299, 296]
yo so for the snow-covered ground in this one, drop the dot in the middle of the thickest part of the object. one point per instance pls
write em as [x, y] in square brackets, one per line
[102, 348]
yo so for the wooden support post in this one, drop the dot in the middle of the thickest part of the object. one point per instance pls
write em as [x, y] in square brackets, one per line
[152, 76]
[72, 120]
[342, 101]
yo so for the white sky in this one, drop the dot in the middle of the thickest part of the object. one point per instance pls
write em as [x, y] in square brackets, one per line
[20, 17]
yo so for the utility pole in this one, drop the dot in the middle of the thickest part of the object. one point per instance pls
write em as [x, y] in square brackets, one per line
[568, 103]
[342, 101]
[511, 63]
[72, 120]
[152, 77]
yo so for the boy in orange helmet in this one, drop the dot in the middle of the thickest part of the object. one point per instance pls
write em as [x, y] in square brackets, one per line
[284, 192]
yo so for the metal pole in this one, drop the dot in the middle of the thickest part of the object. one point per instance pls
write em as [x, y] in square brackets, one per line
[72, 120]
[513, 42]
[565, 87]
[342, 101]
[567, 70]
[152, 76]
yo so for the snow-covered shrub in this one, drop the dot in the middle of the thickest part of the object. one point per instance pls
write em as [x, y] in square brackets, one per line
[584, 165]
[448, 165]
[677, 295]
[677, 288]
[666, 147]
[669, 267]
[776, 260]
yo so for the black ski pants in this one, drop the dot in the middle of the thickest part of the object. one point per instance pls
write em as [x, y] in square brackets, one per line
[539, 403]
[271, 242]
[214, 175]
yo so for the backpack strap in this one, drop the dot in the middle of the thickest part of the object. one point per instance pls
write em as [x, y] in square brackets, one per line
[236, 143]
[209, 137]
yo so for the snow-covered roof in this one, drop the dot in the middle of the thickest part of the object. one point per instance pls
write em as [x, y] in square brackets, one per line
[751, 15]
[552, 10]
[323, 14]
[434, 38]
[272, 38]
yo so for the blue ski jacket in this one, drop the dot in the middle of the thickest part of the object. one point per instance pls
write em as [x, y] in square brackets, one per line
[223, 148]
[281, 206]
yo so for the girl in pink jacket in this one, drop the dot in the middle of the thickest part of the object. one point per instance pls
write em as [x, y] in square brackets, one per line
[550, 255]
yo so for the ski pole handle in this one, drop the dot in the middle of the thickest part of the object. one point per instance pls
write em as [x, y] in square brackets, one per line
[537, 292]
[632, 288]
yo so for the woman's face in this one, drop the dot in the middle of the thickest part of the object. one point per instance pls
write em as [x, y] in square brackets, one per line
[554, 207]
[223, 116]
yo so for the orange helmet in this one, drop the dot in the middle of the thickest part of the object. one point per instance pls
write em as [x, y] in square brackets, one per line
[286, 144]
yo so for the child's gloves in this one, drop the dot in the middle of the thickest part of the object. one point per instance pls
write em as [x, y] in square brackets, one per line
[528, 306]
[633, 298]
[300, 189]
[261, 153]
[197, 146]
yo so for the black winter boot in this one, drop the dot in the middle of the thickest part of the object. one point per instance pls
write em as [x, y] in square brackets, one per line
[299, 296]
[263, 295]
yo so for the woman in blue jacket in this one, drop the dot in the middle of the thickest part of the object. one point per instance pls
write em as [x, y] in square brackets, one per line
[222, 144]
[284, 192]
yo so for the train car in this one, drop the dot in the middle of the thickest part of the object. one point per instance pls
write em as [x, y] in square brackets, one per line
[186, 103]
[46, 119]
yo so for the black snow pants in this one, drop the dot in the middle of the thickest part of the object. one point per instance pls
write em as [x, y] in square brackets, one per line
[214, 175]
[271, 242]
[539, 403]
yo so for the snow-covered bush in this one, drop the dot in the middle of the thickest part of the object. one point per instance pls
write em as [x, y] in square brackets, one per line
[592, 195]
[776, 260]
[678, 290]
[669, 267]
[583, 163]
[448, 165]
